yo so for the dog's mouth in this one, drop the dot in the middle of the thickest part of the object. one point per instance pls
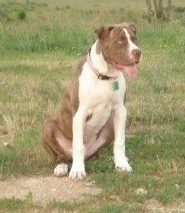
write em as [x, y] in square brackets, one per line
[130, 69]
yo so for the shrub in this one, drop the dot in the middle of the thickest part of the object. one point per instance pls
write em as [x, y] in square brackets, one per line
[22, 14]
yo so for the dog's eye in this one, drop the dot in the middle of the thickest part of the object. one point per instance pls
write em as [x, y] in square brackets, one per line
[122, 40]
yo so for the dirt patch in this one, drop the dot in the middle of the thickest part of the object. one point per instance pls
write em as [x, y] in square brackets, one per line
[45, 189]
[154, 206]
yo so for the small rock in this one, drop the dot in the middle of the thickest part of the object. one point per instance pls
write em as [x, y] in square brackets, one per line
[177, 186]
[141, 191]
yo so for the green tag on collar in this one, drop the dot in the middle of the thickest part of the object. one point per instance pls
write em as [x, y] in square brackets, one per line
[115, 85]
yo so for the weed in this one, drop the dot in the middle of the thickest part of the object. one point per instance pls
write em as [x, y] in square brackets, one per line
[22, 14]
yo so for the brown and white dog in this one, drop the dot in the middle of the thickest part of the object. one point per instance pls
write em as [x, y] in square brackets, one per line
[92, 112]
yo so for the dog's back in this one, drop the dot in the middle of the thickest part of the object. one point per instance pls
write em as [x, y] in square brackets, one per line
[69, 104]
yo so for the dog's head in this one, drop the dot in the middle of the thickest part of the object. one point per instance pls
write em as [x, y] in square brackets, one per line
[117, 43]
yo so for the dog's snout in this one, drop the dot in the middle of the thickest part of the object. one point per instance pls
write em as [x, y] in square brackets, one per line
[136, 53]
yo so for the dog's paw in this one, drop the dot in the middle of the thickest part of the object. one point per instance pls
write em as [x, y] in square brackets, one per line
[123, 166]
[127, 168]
[77, 173]
[61, 170]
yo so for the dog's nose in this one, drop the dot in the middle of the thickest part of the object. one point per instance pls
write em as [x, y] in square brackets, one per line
[136, 53]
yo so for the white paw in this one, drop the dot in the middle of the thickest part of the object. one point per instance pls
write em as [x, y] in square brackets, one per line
[123, 166]
[77, 173]
[61, 170]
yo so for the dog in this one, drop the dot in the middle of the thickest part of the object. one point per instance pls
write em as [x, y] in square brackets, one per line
[92, 111]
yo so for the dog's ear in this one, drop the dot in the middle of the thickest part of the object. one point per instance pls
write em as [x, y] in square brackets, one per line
[133, 28]
[103, 32]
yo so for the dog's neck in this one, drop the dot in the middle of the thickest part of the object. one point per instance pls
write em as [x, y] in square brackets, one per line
[99, 64]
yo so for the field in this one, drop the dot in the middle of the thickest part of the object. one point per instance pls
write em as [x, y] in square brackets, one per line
[41, 43]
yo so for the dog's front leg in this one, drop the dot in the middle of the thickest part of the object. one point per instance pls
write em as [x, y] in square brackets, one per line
[120, 159]
[78, 166]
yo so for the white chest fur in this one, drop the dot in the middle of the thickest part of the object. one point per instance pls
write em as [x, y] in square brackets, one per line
[98, 98]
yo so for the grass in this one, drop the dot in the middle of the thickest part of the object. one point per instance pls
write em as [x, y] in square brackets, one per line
[38, 56]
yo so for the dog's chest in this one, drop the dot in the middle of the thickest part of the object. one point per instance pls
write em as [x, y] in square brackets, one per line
[99, 97]
[99, 109]
[100, 105]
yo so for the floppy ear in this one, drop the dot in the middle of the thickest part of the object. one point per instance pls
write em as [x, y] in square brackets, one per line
[99, 31]
[103, 32]
[133, 28]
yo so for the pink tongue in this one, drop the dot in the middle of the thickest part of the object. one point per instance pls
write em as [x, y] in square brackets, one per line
[130, 70]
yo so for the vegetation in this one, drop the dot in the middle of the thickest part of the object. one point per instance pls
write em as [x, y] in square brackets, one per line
[41, 43]
[159, 11]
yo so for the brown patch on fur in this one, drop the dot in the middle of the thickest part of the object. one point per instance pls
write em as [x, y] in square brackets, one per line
[88, 117]
[57, 134]
[133, 28]
[50, 143]
[69, 104]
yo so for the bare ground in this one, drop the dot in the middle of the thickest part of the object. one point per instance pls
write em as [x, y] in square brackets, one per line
[153, 206]
[46, 189]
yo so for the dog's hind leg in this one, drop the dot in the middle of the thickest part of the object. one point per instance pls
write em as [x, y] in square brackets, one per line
[58, 145]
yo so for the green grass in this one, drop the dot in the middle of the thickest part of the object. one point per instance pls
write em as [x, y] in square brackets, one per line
[39, 55]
